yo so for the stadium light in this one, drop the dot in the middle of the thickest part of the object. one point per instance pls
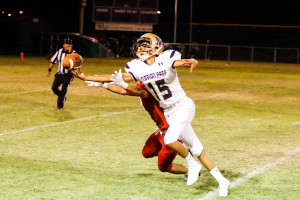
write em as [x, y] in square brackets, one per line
[21, 12]
[9, 14]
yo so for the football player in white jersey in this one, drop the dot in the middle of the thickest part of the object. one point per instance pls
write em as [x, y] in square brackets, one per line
[157, 71]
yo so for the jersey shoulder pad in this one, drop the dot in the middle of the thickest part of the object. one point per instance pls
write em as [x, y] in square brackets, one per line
[171, 54]
[131, 64]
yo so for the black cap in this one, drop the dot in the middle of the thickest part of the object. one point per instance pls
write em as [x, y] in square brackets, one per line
[68, 41]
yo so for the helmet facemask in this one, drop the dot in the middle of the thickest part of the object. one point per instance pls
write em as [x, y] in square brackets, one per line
[148, 45]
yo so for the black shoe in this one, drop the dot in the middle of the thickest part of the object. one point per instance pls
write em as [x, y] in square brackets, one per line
[60, 108]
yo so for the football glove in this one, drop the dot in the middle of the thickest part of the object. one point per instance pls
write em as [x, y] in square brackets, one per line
[93, 84]
[118, 80]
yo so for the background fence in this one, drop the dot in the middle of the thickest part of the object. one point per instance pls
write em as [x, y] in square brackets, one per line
[86, 46]
[237, 53]
[90, 47]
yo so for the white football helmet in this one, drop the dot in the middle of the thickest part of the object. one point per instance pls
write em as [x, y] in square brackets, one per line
[148, 45]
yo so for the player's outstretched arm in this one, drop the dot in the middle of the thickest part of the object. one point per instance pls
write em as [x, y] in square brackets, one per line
[186, 63]
[132, 90]
[100, 78]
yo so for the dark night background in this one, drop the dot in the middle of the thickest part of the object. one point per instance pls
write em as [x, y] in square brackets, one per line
[63, 16]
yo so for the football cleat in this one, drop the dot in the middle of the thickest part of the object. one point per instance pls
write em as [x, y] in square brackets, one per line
[185, 177]
[193, 174]
[223, 188]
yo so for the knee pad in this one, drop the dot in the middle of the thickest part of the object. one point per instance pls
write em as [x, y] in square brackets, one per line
[197, 147]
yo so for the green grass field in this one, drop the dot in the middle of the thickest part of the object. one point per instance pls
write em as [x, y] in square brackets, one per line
[247, 117]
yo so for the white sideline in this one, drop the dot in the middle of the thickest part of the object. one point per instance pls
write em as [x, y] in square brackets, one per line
[65, 122]
[13, 93]
[237, 182]
[85, 118]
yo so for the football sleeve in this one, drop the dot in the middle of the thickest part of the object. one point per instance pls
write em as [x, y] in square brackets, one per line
[174, 55]
[128, 69]
[171, 56]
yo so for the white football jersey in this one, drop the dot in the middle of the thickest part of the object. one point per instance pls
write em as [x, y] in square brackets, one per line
[160, 79]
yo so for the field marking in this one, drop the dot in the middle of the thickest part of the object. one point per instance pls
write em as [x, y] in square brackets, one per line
[237, 182]
[296, 123]
[14, 93]
[222, 94]
[65, 122]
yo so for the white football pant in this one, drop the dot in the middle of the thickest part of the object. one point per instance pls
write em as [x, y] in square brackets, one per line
[179, 119]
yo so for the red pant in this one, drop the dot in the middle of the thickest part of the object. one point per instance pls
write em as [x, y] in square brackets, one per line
[155, 146]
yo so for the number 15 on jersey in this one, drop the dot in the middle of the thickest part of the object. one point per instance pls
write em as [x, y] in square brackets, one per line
[160, 89]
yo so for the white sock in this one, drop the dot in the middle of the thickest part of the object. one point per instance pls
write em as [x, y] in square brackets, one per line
[190, 160]
[217, 175]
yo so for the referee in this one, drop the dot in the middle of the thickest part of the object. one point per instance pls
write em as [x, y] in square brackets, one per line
[62, 77]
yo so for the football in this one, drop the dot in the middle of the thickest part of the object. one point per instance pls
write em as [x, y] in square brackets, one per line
[72, 61]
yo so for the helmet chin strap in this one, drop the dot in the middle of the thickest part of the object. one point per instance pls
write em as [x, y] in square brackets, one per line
[145, 57]
[158, 50]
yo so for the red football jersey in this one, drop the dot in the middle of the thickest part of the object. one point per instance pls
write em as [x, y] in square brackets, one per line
[152, 107]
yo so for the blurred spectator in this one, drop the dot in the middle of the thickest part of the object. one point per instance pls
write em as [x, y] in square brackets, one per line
[125, 44]
[195, 49]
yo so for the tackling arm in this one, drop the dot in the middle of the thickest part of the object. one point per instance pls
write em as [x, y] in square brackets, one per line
[116, 89]
[131, 90]
[118, 79]
[135, 91]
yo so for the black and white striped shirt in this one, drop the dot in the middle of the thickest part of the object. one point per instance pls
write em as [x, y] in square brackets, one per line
[58, 57]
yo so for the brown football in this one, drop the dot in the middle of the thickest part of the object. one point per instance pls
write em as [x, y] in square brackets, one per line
[72, 61]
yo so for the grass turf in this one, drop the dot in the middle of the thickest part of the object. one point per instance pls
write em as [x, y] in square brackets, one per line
[246, 116]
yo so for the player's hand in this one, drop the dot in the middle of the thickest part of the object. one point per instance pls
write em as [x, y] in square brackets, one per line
[74, 73]
[118, 79]
[78, 75]
[81, 76]
[93, 84]
[48, 73]
[194, 64]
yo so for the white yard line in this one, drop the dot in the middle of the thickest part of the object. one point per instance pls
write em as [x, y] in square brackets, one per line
[239, 181]
[25, 92]
[65, 122]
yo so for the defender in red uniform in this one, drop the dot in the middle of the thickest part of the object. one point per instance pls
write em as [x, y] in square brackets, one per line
[155, 145]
